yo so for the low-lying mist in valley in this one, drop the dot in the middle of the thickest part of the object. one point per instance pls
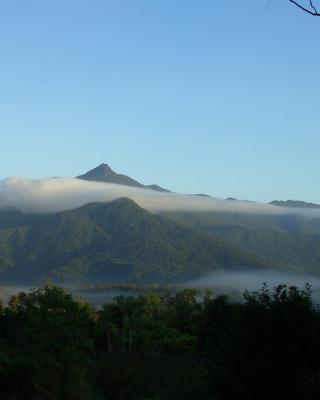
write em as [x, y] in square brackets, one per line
[235, 283]
[252, 280]
[231, 283]
[60, 194]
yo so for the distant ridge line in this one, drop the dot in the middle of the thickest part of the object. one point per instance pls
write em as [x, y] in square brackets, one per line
[104, 173]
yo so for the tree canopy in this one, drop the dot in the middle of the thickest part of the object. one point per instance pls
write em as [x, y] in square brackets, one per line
[160, 346]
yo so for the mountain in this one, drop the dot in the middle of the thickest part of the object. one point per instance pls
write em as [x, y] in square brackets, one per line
[288, 241]
[110, 242]
[121, 242]
[157, 187]
[103, 173]
[202, 195]
[294, 204]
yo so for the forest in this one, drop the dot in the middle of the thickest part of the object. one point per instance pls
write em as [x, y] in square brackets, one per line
[160, 346]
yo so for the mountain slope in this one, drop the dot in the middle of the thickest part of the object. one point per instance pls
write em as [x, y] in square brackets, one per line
[103, 173]
[288, 241]
[114, 242]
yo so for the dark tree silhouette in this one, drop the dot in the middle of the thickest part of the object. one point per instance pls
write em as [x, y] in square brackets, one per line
[312, 9]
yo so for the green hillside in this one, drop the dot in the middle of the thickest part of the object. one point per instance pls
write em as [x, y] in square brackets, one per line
[289, 241]
[114, 242]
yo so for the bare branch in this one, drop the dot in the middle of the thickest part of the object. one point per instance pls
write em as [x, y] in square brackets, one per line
[313, 7]
[313, 12]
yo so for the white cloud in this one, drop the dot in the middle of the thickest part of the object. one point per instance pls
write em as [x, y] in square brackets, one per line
[58, 194]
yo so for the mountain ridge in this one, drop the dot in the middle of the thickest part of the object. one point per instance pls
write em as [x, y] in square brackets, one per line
[112, 242]
[104, 173]
[294, 204]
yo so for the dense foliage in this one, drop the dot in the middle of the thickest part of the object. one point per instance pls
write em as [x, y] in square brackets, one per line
[160, 347]
[286, 241]
[114, 242]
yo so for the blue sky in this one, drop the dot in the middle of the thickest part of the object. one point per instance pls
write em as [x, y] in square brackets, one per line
[197, 96]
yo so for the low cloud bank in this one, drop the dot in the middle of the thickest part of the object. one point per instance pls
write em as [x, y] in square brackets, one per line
[231, 283]
[253, 280]
[235, 283]
[60, 194]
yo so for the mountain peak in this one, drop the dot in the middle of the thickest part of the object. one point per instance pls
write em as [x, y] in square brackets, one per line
[104, 173]
[104, 166]
[101, 169]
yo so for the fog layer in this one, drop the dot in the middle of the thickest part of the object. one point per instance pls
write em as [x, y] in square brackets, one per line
[253, 280]
[59, 194]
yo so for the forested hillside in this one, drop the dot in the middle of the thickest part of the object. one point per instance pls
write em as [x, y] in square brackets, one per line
[287, 241]
[107, 243]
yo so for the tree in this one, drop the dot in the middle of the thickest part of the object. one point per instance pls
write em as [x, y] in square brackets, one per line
[265, 348]
[45, 339]
[312, 9]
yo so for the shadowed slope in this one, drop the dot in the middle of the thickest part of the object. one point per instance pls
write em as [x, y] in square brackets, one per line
[114, 242]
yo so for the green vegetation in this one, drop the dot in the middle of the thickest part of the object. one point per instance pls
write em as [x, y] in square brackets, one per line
[114, 242]
[286, 241]
[160, 347]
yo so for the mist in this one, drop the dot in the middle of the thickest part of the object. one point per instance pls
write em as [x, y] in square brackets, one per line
[232, 283]
[236, 282]
[60, 194]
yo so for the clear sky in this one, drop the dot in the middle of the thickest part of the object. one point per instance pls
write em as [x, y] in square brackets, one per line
[218, 97]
